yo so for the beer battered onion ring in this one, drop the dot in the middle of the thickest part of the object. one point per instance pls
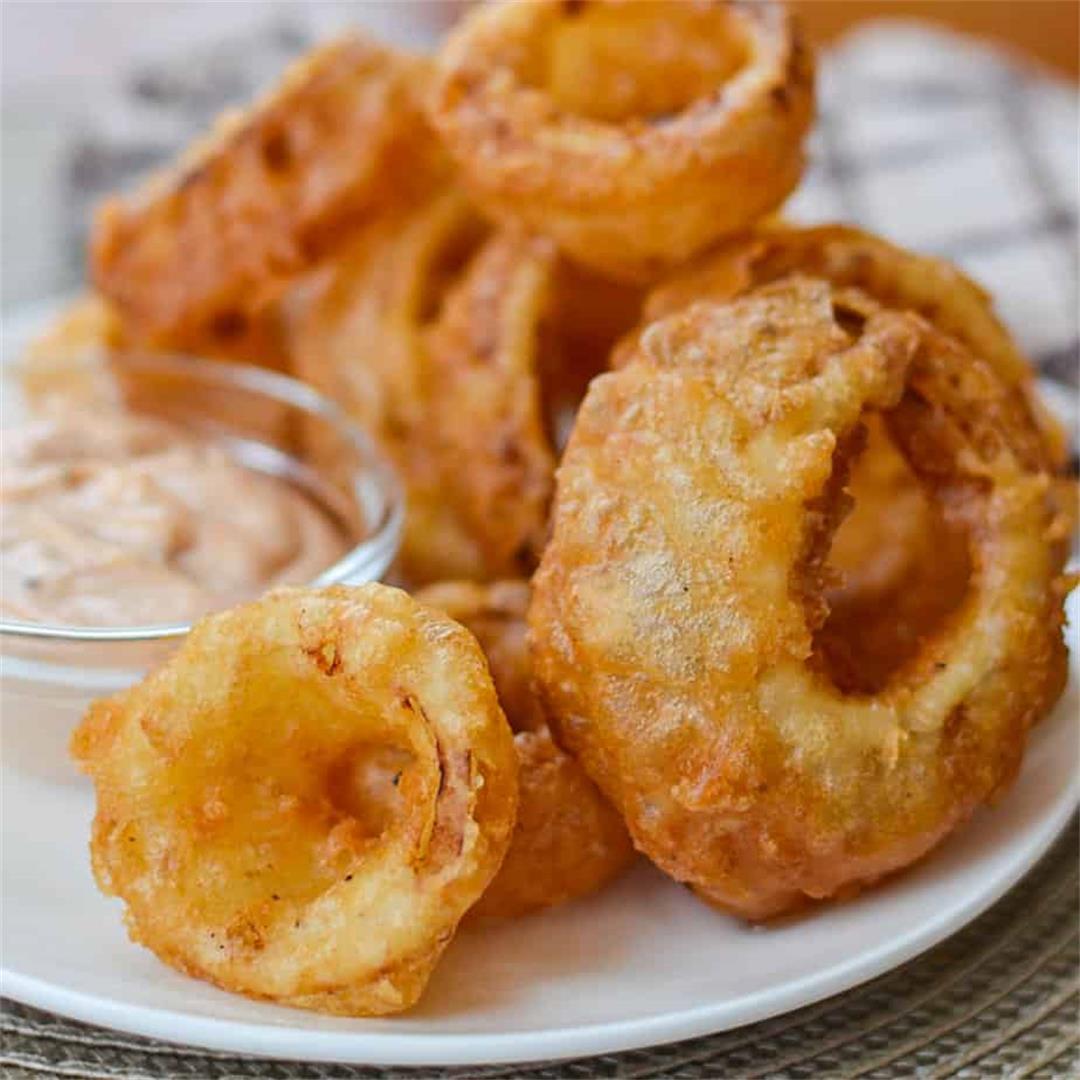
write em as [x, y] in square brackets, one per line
[896, 278]
[485, 354]
[200, 253]
[674, 613]
[891, 587]
[634, 134]
[357, 333]
[510, 356]
[231, 797]
[568, 841]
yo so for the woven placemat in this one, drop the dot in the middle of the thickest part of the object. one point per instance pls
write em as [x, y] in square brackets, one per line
[998, 999]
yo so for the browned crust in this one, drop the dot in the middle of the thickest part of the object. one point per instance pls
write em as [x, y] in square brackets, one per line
[673, 614]
[201, 250]
[568, 841]
[629, 196]
[487, 406]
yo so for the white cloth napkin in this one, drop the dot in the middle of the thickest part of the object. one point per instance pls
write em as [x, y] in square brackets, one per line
[956, 149]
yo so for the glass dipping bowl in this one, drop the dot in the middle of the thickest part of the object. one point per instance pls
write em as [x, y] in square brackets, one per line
[266, 422]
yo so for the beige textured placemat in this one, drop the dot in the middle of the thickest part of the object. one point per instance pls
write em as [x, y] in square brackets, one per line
[999, 999]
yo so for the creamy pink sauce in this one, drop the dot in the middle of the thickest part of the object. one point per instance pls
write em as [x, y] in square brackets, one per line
[111, 519]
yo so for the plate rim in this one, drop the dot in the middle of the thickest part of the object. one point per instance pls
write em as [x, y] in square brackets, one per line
[409, 1048]
[558, 1044]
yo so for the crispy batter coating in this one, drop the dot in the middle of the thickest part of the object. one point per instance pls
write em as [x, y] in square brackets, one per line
[846, 256]
[200, 253]
[675, 611]
[357, 333]
[233, 815]
[465, 354]
[489, 419]
[511, 354]
[634, 134]
[889, 587]
[568, 841]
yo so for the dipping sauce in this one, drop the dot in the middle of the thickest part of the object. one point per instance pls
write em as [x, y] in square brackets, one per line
[115, 519]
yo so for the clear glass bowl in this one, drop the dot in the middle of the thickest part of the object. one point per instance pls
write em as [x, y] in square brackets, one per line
[265, 421]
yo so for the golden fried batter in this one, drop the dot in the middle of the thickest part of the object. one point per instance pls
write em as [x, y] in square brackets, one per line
[488, 405]
[847, 256]
[568, 841]
[634, 134]
[675, 613]
[357, 333]
[233, 809]
[516, 343]
[199, 254]
[887, 585]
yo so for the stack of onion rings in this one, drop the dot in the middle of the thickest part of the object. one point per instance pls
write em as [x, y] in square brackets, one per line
[800, 598]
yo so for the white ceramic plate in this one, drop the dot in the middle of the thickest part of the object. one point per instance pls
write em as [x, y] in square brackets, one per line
[641, 964]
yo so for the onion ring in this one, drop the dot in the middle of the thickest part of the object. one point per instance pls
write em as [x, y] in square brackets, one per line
[846, 256]
[200, 253]
[485, 354]
[568, 841]
[889, 587]
[674, 613]
[510, 357]
[633, 134]
[231, 783]
[357, 333]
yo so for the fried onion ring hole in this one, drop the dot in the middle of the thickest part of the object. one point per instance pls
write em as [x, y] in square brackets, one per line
[234, 786]
[674, 623]
[895, 570]
[634, 134]
[568, 841]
